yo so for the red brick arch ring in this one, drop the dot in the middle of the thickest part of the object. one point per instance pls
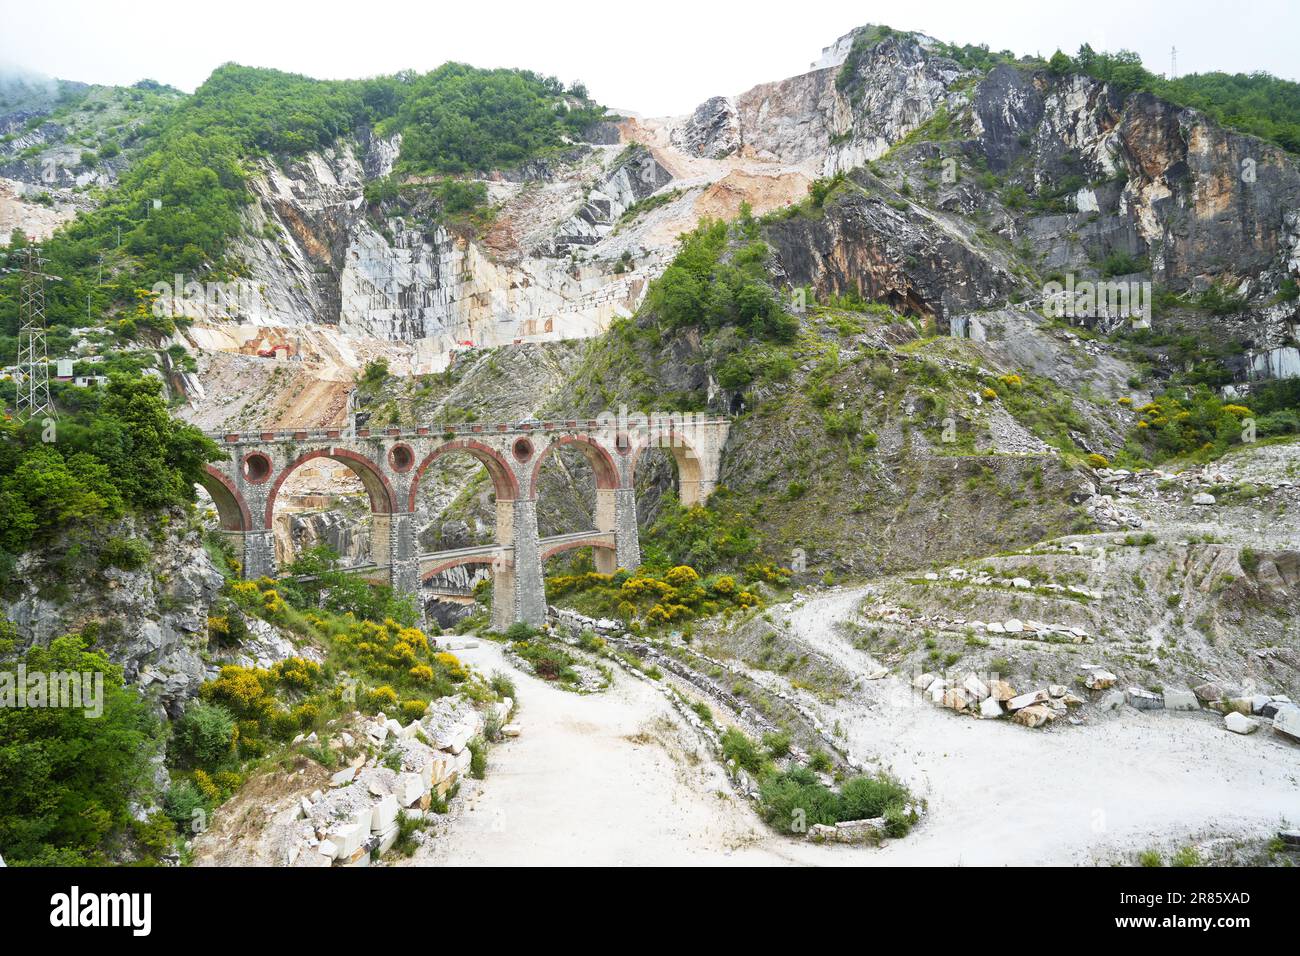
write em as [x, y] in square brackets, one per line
[382, 498]
[504, 482]
[602, 463]
[574, 546]
[232, 510]
[438, 568]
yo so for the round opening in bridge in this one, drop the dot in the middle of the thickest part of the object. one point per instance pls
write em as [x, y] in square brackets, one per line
[523, 449]
[257, 467]
[401, 458]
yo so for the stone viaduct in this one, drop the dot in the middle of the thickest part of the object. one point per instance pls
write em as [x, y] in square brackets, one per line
[391, 462]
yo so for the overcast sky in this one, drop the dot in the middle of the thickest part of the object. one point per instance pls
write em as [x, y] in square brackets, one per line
[654, 57]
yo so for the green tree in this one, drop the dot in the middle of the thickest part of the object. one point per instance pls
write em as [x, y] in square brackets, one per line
[70, 779]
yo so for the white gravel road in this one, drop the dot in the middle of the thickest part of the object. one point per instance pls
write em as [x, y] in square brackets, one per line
[617, 779]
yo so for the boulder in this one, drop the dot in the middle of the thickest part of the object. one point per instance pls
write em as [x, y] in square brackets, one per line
[1287, 721]
[1028, 700]
[1014, 626]
[1001, 690]
[410, 788]
[922, 681]
[328, 849]
[359, 857]
[510, 730]
[349, 838]
[1101, 680]
[343, 777]
[974, 687]
[1271, 708]
[1112, 701]
[1057, 690]
[1240, 723]
[1021, 583]
[1178, 698]
[1034, 715]
[384, 814]
[1208, 693]
[990, 707]
[1202, 498]
[821, 833]
[859, 831]
[955, 699]
[387, 838]
[1140, 699]
[995, 627]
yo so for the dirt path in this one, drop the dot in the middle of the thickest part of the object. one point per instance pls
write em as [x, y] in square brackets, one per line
[617, 779]
[608, 779]
[999, 794]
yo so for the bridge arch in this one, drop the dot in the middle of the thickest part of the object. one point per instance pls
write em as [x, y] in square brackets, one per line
[504, 482]
[595, 545]
[684, 455]
[382, 498]
[494, 561]
[602, 463]
[232, 509]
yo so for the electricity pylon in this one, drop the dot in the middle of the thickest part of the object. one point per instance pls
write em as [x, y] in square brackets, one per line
[34, 395]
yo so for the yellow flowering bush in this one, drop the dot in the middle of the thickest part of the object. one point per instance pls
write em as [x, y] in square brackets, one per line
[452, 665]
[422, 672]
[382, 698]
[207, 786]
[723, 584]
[681, 576]
[413, 709]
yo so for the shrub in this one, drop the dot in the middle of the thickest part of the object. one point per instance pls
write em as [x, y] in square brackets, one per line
[382, 698]
[205, 734]
[777, 744]
[795, 800]
[128, 554]
[477, 759]
[740, 748]
[502, 685]
[184, 805]
[413, 709]
[866, 797]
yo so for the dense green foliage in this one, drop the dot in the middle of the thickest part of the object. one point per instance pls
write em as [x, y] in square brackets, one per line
[708, 539]
[124, 453]
[70, 779]
[460, 119]
[715, 282]
[1257, 103]
[795, 799]
[1192, 422]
